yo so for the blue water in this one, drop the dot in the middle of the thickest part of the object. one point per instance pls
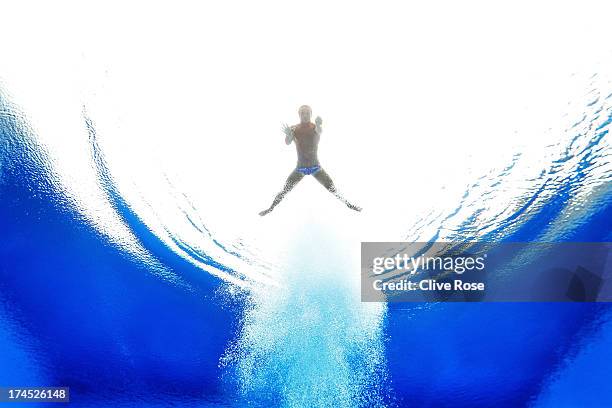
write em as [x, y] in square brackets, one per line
[130, 331]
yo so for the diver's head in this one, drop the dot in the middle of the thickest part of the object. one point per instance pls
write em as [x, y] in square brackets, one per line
[305, 113]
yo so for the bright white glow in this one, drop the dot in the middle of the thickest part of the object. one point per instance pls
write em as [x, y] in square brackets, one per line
[414, 96]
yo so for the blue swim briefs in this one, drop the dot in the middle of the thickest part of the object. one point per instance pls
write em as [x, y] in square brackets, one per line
[308, 170]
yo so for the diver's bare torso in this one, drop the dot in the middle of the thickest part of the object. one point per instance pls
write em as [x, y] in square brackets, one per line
[306, 140]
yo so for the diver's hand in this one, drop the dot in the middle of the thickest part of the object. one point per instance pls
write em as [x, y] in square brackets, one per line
[287, 130]
[318, 127]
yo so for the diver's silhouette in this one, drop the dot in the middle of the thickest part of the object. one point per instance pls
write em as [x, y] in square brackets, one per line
[306, 136]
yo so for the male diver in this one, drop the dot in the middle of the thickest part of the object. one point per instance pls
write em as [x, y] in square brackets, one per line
[306, 136]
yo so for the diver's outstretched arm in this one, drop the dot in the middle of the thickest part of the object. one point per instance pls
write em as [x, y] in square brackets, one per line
[292, 180]
[323, 178]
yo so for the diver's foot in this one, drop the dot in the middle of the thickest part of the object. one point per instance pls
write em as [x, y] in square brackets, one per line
[353, 207]
[264, 212]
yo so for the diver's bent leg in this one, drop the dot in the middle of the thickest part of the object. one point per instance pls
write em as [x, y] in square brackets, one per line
[323, 178]
[292, 180]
